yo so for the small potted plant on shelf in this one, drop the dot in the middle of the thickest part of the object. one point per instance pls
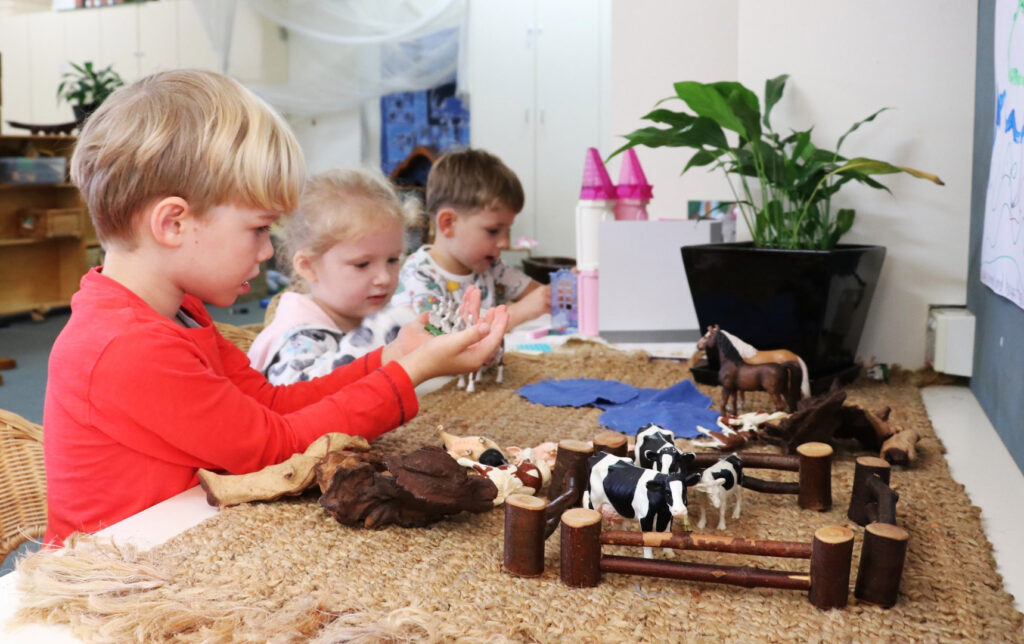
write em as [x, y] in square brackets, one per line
[84, 87]
[794, 286]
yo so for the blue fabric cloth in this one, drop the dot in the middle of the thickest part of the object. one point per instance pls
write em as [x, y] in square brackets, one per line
[679, 408]
[578, 392]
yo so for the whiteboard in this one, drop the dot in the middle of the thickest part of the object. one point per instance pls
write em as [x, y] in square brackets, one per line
[1002, 246]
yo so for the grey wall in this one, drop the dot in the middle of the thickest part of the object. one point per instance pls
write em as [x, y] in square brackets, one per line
[998, 380]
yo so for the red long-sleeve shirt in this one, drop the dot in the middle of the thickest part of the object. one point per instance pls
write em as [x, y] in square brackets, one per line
[136, 403]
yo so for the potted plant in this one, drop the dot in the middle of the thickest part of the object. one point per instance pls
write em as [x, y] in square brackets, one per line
[794, 286]
[85, 88]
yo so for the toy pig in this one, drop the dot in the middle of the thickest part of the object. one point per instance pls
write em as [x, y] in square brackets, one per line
[476, 448]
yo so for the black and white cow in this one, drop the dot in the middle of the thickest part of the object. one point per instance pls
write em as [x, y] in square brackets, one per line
[719, 483]
[656, 449]
[618, 487]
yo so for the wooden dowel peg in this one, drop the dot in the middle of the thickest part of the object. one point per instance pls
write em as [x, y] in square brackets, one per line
[815, 476]
[831, 556]
[611, 442]
[881, 564]
[581, 548]
[863, 504]
[524, 535]
[568, 481]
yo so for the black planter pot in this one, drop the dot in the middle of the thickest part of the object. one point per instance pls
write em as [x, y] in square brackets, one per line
[812, 302]
[83, 110]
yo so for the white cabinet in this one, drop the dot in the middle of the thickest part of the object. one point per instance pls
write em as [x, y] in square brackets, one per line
[136, 38]
[538, 81]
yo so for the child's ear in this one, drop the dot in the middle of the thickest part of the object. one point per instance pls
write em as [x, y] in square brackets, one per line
[302, 264]
[168, 219]
[446, 222]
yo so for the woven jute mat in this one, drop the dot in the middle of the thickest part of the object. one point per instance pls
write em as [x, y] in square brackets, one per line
[287, 571]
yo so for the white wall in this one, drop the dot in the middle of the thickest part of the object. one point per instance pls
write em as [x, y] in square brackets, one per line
[845, 60]
[654, 44]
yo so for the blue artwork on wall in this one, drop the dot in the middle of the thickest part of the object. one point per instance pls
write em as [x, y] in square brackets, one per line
[434, 117]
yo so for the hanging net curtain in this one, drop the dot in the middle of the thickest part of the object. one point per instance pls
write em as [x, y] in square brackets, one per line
[342, 53]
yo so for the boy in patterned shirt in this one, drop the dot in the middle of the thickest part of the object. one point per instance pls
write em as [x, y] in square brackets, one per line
[473, 199]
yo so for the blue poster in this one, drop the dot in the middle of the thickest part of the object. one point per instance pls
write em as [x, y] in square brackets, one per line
[434, 117]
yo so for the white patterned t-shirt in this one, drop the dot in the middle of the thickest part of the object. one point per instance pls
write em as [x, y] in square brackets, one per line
[422, 283]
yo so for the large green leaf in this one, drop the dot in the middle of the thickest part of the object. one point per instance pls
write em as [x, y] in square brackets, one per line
[706, 101]
[773, 88]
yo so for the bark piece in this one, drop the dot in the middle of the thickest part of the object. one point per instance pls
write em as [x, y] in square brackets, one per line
[417, 489]
[288, 478]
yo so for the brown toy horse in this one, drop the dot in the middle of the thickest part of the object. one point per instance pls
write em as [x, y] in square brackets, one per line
[780, 380]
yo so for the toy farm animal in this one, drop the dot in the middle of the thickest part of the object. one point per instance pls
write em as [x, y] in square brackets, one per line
[524, 478]
[447, 317]
[751, 355]
[781, 381]
[719, 483]
[652, 498]
[476, 448]
[656, 449]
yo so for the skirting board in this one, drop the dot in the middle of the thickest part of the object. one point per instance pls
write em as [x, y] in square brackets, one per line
[667, 335]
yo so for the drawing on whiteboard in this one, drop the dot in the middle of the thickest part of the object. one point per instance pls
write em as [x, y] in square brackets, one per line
[1002, 247]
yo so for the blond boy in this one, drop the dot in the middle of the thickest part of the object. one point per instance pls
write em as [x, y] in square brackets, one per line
[472, 199]
[183, 173]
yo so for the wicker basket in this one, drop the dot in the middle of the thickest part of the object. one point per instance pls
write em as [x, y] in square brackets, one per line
[240, 336]
[22, 482]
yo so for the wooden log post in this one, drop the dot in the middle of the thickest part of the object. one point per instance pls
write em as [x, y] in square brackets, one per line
[524, 535]
[581, 548]
[863, 503]
[881, 564]
[568, 481]
[611, 442]
[831, 556]
[815, 476]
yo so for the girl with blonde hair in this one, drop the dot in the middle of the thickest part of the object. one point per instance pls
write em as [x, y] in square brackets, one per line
[345, 245]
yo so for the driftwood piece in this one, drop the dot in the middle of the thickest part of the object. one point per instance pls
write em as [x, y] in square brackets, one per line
[288, 478]
[901, 447]
[417, 489]
[815, 420]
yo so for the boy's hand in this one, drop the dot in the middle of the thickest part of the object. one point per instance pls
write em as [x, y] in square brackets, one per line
[471, 304]
[454, 353]
[536, 302]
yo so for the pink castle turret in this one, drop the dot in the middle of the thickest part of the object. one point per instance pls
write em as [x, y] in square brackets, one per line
[633, 191]
[597, 202]
[597, 185]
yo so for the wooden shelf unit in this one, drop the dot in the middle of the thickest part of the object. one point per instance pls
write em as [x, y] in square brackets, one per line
[37, 274]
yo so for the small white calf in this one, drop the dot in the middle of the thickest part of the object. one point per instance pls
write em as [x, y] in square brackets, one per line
[719, 483]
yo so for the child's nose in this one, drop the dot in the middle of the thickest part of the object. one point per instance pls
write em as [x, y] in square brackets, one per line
[266, 250]
[503, 241]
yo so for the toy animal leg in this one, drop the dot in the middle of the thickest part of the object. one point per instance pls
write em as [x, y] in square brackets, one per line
[664, 524]
[462, 382]
[721, 512]
[469, 383]
[703, 515]
[501, 371]
[586, 500]
[479, 374]
[738, 503]
[646, 524]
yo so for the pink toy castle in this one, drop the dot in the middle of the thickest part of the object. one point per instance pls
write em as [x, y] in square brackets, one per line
[633, 191]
